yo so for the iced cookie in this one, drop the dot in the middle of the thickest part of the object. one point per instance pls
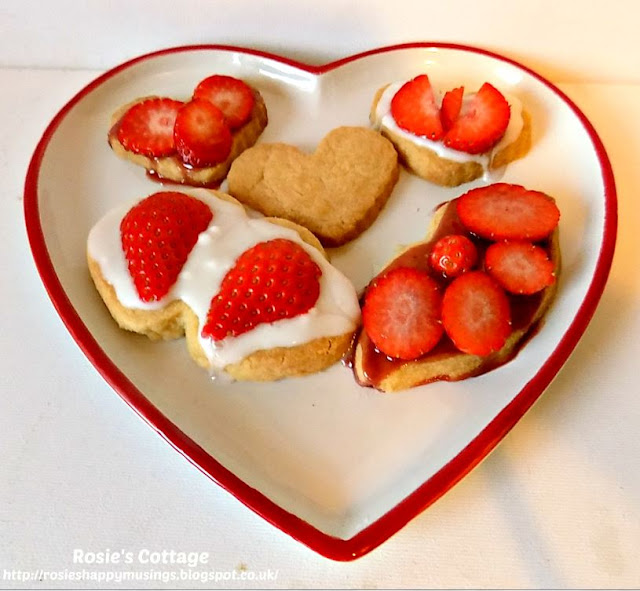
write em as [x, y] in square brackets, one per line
[256, 298]
[461, 302]
[336, 192]
[454, 139]
[192, 142]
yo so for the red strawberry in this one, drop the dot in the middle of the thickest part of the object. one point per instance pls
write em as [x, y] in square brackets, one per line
[201, 134]
[271, 281]
[157, 235]
[450, 108]
[232, 96]
[414, 108]
[508, 212]
[401, 313]
[453, 255]
[476, 314]
[147, 127]
[520, 266]
[481, 122]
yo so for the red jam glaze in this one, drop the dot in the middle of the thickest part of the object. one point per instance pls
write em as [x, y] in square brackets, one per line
[376, 365]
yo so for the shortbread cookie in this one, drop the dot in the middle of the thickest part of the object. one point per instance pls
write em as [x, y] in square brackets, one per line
[256, 298]
[336, 192]
[448, 147]
[192, 142]
[445, 311]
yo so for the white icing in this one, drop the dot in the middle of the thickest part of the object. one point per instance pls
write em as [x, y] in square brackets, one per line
[384, 120]
[230, 233]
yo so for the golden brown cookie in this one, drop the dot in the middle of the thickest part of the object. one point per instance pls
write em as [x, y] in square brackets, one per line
[175, 319]
[173, 169]
[427, 164]
[336, 192]
[445, 361]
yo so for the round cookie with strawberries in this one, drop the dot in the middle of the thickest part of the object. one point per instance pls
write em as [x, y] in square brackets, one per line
[192, 142]
[455, 136]
[461, 302]
[256, 298]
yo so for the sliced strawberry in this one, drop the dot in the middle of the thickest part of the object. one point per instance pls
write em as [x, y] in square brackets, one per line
[481, 123]
[453, 255]
[157, 235]
[508, 212]
[201, 134]
[147, 127]
[401, 313]
[414, 108]
[271, 281]
[476, 314]
[450, 108]
[232, 96]
[520, 267]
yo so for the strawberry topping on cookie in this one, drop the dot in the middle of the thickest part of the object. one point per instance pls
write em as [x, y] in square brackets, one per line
[450, 108]
[401, 313]
[476, 314]
[231, 95]
[415, 110]
[453, 255]
[271, 281]
[157, 236]
[521, 267]
[508, 212]
[202, 136]
[480, 123]
[147, 127]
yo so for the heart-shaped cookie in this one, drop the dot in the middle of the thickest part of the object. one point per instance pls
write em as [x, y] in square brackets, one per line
[336, 192]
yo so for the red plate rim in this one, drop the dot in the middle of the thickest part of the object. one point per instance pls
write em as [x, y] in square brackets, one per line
[392, 521]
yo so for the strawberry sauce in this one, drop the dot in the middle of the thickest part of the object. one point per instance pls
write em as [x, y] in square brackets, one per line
[376, 366]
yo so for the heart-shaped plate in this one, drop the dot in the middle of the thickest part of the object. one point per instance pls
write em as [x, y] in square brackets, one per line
[338, 467]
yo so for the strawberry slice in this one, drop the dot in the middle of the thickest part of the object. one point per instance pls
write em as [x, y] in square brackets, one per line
[157, 235]
[414, 108]
[508, 212]
[481, 122]
[476, 314]
[450, 108]
[147, 127]
[271, 281]
[232, 96]
[520, 267]
[401, 313]
[453, 255]
[202, 136]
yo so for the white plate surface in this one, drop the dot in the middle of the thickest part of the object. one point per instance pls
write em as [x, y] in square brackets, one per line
[324, 449]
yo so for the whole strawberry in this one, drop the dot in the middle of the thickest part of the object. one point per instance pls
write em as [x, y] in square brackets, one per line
[157, 236]
[453, 255]
[271, 281]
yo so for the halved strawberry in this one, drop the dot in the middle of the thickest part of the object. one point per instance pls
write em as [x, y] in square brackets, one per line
[476, 314]
[401, 313]
[520, 267]
[271, 281]
[147, 127]
[202, 136]
[157, 235]
[231, 95]
[414, 108]
[453, 255]
[450, 108]
[508, 212]
[481, 122]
